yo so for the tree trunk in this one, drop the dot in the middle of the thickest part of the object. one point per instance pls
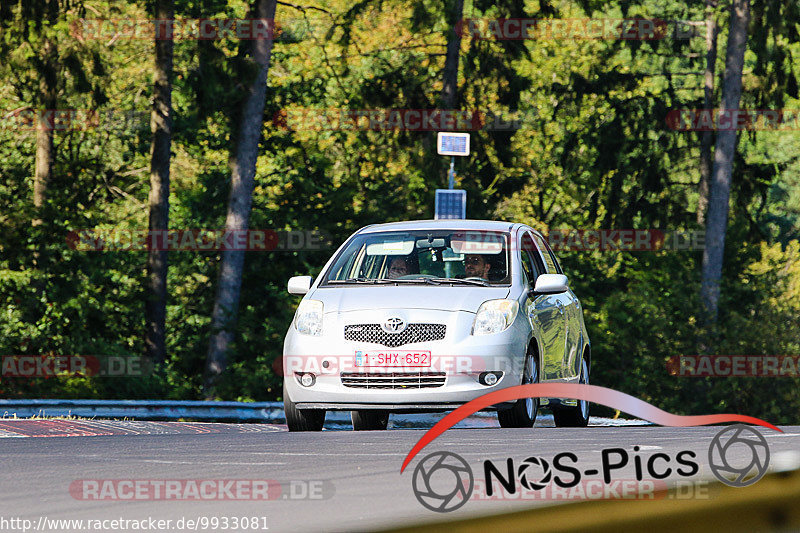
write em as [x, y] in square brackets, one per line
[707, 139]
[717, 220]
[161, 126]
[45, 152]
[450, 72]
[454, 11]
[243, 169]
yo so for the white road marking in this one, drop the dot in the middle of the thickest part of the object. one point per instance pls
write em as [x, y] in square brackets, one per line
[205, 463]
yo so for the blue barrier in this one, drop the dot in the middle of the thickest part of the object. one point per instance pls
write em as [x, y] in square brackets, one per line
[145, 409]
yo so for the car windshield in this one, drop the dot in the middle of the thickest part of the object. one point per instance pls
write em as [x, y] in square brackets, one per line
[442, 257]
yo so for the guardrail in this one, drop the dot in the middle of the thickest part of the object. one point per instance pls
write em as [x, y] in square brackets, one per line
[145, 409]
[268, 412]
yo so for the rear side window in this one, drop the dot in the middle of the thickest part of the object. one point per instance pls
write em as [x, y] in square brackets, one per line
[547, 255]
[553, 255]
[531, 263]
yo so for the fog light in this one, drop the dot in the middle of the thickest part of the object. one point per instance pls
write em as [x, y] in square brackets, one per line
[308, 379]
[489, 378]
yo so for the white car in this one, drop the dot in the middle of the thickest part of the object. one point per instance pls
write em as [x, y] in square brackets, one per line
[428, 315]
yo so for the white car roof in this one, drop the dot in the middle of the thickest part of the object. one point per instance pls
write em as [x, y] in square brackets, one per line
[451, 224]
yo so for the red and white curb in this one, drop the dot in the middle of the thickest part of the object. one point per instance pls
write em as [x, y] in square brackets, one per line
[19, 428]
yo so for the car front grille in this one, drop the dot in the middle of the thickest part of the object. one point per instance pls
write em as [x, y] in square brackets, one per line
[413, 333]
[393, 380]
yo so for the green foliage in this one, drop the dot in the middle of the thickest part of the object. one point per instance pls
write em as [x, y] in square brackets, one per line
[632, 352]
[593, 151]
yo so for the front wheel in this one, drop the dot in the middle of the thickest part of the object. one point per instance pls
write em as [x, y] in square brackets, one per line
[523, 414]
[578, 416]
[369, 420]
[301, 419]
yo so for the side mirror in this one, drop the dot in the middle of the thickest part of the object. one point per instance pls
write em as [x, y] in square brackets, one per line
[551, 284]
[299, 284]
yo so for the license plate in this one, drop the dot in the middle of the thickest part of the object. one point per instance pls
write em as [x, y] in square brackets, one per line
[393, 358]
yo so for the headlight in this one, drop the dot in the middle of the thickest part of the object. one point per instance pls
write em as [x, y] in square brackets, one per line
[495, 316]
[308, 319]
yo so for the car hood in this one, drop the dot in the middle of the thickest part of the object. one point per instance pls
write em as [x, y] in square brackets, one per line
[445, 298]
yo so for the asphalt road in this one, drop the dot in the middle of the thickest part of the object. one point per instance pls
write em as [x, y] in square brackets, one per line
[332, 481]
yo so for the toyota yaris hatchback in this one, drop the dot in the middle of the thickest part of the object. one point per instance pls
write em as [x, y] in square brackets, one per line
[428, 315]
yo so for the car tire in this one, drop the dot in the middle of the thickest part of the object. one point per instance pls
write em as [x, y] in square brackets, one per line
[523, 413]
[301, 419]
[369, 420]
[578, 416]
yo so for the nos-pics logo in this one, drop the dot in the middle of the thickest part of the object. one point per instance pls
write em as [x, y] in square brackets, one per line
[443, 481]
[738, 455]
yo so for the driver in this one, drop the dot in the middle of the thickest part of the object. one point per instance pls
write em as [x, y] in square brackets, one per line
[476, 266]
[397, 268]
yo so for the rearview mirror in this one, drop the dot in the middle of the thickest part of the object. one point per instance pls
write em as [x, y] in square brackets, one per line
[431, 243]
[299, 284]
[551, 284]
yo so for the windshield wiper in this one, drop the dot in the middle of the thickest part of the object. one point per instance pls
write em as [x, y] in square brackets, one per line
[478, 282]
[427, 281]
[360, 280]
[435, 281]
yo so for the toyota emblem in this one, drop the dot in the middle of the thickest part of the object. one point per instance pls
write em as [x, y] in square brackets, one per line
[394, 325]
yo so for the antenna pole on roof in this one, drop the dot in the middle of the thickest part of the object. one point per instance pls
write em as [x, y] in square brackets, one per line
[451, 202]
[452, 180]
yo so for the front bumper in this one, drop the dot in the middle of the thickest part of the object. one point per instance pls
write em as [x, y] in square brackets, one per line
[460, 357]
[394, 407]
